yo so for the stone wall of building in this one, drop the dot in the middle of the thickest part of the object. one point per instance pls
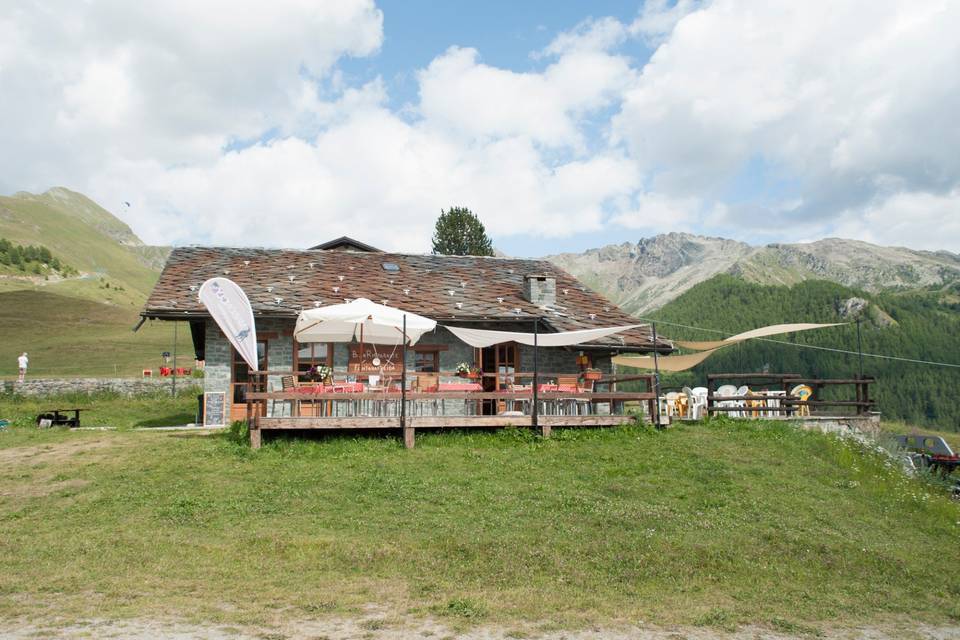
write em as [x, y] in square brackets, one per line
[218, 354]
[123, 386]
[279, 335]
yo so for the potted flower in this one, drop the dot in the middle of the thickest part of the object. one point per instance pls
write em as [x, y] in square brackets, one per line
[319, 374]
[475, 373]
[592, 374]
[463, 370]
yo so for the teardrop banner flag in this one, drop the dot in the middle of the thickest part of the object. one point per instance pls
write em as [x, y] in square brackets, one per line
[231, 310]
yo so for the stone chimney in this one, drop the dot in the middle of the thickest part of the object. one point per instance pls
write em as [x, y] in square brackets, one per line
[541, 290]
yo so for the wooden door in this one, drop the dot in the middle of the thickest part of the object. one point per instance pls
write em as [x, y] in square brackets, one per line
[502, 360]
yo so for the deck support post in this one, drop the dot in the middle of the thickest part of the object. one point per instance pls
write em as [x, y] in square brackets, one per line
[408, 434]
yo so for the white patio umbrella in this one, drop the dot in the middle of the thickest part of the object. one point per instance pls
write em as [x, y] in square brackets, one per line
[362, 320]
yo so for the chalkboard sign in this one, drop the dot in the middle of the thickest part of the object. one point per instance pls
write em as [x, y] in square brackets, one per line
[214, 403]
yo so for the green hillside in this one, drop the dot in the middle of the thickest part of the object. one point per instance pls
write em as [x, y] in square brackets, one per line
[88, 238]
[75, 337]
[76, 319]
[922, 325]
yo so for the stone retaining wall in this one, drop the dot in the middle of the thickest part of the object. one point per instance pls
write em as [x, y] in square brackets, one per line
[123, 386]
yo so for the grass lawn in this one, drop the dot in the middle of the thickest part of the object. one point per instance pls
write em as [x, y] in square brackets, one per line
[69, 337]
[103, 410]
[714, 524]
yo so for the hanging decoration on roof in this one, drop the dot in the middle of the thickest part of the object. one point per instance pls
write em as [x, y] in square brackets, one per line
[231, 310]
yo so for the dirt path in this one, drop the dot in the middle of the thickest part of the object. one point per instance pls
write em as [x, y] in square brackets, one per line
[374, 628]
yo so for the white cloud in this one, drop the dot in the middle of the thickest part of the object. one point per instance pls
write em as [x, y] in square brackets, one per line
[918, 220]
[374, 175]
[460, 93]
[658, 213]
[836, 101]
[589, 35]
[174, 82]
[781, 116]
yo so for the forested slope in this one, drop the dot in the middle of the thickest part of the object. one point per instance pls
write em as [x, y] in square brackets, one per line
[922, 324]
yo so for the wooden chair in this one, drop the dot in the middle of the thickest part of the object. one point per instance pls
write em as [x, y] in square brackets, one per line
[570, 404]
[803, 392]
[288, 384]
[428, 382]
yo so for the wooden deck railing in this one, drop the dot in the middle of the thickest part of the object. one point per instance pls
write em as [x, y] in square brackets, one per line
[784, 403]
[409, 409]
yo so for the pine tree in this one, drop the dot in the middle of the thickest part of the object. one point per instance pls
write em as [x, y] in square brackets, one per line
[460, 233]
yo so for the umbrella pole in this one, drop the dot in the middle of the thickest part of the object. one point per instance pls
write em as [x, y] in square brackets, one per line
[408, 435]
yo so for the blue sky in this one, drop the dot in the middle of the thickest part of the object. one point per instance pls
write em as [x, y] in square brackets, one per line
[564, 126]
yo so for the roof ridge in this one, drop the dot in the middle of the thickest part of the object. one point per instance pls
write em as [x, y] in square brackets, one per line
[356, 253]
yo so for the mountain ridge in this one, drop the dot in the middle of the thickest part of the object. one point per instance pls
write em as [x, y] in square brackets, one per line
[115, 266]
[646, 275]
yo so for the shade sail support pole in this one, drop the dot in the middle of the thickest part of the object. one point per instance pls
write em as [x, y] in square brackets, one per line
[860, 346]
[656, 377]
[535, 411]
[173, 378]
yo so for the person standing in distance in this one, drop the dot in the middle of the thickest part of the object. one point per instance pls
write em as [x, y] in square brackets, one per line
[22, 363]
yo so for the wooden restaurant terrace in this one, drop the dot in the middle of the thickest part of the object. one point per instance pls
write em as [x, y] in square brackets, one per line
[408, 407]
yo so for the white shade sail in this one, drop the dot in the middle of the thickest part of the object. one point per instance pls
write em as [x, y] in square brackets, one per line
[706, 349]
[481, 338]
[375, 323]
[762, 332]
[664, 363]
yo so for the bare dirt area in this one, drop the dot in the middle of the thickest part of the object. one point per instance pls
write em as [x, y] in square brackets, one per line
[56, 452]
[379, 628]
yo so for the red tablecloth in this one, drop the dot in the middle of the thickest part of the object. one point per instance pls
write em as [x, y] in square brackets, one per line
[559, 388]
[347, 387]
[460, 386]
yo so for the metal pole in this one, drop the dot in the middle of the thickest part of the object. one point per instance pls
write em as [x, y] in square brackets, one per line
[534, 413]
[656, 376]
[403, 378]
[860, 346]
[173, 378]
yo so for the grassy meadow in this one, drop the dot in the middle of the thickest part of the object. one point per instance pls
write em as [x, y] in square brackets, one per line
[716, 524]
[104, 409]
[71, 337]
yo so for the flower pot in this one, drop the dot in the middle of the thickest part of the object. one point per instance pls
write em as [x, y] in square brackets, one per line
[473, 375]
[592, 375]
[463, 374]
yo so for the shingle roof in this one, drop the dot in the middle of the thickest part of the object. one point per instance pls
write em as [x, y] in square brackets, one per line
[450, 289]
[348, 243]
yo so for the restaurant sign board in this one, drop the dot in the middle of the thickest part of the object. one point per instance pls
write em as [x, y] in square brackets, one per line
[375, 359]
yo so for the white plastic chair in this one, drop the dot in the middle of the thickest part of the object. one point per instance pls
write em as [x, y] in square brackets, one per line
[727, 390]
[697, 402]
[743, 391]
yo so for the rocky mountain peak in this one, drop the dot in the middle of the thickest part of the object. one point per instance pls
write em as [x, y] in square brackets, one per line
[649, 273]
